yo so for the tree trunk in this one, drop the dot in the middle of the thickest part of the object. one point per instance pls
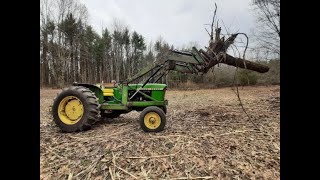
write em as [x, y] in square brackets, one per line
[76, 76]
[245, 64]
[72, 69]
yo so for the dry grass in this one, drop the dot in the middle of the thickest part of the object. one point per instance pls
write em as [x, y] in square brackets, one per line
[207, 136]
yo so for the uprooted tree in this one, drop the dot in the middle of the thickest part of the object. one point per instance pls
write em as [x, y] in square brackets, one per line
[216, 53]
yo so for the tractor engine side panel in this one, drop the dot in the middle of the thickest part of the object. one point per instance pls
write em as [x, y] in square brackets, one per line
[138, 96]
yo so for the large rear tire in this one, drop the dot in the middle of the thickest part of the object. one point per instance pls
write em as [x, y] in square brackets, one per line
[76, 109]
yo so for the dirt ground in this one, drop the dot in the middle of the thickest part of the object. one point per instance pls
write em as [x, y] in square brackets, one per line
[207, 136]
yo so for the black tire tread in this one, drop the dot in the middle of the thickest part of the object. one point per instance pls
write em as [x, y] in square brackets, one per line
[91, 111]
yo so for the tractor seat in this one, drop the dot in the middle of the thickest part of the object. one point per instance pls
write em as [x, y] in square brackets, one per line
[109, 85]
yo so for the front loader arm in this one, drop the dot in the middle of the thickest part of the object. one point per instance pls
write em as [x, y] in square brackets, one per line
[186, 62]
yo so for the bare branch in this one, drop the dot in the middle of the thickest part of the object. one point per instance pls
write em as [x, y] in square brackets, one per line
[212, 24]
[208, 32]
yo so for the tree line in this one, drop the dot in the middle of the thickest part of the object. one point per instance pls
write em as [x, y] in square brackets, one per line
[72, 51]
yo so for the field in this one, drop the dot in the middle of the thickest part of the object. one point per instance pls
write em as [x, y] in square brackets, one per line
[207, 136]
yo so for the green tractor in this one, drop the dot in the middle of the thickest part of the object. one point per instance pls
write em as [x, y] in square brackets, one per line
[78, 107]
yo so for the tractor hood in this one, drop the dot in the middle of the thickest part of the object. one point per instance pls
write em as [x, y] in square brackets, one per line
[149, 86]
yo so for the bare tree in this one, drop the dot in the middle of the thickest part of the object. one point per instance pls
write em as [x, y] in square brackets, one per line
[44, 14]
[267, 33]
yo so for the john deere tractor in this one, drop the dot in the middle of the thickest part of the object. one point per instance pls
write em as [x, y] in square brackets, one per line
[78, 107]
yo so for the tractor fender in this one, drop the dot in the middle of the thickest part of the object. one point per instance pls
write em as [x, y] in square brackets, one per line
[94, 88]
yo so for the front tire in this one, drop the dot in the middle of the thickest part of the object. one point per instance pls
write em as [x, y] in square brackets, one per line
[75, 109]
[152, 119]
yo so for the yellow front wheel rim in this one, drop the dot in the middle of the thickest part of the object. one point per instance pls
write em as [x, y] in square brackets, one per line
[70, 110]
[152, 120]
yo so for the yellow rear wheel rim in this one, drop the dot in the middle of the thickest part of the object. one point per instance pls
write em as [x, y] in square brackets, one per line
[152, 120]
[70, 110]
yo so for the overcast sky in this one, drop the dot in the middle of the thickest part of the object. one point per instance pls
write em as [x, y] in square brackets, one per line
[179, 22]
